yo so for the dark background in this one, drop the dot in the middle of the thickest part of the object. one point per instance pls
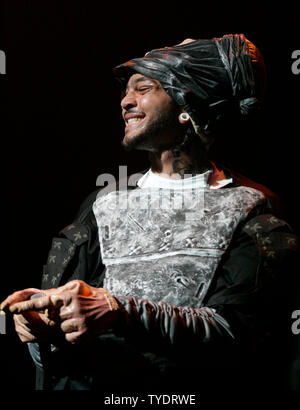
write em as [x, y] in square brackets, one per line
[61, 125]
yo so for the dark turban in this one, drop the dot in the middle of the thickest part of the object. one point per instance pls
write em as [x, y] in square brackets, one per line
[209, 79]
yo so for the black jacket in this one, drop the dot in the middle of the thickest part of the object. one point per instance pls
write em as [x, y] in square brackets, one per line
[245, 291]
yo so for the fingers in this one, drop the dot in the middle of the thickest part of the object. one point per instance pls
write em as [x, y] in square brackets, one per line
[36, 305]
[42, 304]
[23, 330]
[71, 325]
[74, 330]
[36, 319]
[74, 337]
[18, 296]
[72, 285]
[79, 309]
[77, 286]
[31, 326]
[45, 304]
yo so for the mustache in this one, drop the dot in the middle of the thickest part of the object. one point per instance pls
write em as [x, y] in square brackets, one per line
[133, 111]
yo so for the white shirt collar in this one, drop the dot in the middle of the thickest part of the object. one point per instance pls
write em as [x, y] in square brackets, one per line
[152, 180]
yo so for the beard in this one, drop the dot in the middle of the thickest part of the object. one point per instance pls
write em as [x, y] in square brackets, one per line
[160, 132]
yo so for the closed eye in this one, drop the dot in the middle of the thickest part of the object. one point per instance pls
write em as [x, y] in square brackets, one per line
[144, 89]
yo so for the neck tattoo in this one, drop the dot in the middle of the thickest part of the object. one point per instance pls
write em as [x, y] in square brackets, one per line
[183, 167]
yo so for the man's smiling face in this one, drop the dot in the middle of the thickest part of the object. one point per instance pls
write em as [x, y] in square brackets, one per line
[150, 115]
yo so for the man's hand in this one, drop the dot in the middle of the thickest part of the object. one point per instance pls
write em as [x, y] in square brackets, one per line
[82, 311]
[34, 327]
[30, 326]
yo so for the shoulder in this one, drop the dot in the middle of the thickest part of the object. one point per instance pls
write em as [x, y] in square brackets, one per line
[85, 214]
[85, 210]
[273, 202]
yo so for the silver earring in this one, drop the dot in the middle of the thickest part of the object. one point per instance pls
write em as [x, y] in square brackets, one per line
[184, 116]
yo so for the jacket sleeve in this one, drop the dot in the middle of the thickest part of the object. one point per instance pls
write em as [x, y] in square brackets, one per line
[238, 300]
[75, 252]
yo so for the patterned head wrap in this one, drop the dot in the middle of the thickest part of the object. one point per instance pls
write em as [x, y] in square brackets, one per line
[208, 78]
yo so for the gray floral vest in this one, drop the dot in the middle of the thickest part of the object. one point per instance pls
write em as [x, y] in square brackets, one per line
[166, 246]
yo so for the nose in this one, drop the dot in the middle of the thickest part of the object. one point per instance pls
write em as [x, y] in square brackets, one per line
[128, 101]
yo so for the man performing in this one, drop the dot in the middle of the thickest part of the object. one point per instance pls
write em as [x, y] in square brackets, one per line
[169, 284]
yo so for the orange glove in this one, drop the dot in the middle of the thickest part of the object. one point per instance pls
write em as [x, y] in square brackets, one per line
[82, 311]
[30, 326]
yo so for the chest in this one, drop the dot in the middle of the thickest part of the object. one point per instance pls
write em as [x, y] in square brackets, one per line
[165, 245]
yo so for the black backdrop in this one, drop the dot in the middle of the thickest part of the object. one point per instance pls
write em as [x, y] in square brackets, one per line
[61, 123]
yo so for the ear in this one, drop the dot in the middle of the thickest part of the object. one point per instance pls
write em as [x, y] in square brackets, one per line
[184, 118]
